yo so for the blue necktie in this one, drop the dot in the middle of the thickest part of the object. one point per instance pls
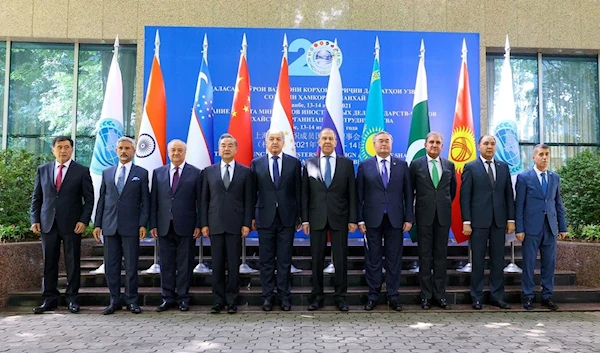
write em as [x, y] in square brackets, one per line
[384, 173]
[544, 184]
[275, 171]
[121, 180]
[327, 171]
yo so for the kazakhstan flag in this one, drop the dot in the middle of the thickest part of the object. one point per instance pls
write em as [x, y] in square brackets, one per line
[374, 120]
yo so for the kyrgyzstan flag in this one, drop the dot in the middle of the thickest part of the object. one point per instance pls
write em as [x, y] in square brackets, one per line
[462, 143]
[151, 149]
[240, 123]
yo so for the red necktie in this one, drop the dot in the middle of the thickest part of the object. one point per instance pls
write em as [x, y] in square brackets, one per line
[59, 177]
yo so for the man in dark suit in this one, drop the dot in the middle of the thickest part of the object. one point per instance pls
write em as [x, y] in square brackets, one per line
[226, 216]
[175, 221]
[329, 205]
[487, 206]
[385, 211]
[433, 179]
[61, 208]
[122, 215]
[277, 183]
[540, 218]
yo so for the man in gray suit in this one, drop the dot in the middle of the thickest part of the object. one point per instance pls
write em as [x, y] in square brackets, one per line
[174, 217]
[121, 217]
[488, 211]
[433, 179]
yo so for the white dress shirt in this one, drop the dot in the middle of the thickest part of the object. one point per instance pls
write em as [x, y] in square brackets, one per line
[279, 161]
[172, 172]
[323, 164]
[231, 168]
[118, 171]
[64, 171]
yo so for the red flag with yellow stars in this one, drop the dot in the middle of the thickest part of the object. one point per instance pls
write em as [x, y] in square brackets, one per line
[240, 122]
[462, 143]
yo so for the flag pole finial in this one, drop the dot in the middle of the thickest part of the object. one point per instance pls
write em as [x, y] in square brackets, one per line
[422, 55]
[377, 47]
[156, 44]
[464, 50]
[116, 46]
[205, 48]
[244, 45]
[285, 45]
[507, 48]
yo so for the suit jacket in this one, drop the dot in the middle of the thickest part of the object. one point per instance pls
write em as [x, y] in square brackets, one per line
[126, 213]
[180, 206]
[429, 200]
[226, 210]
[336, 204]
[480, 201]
[286, 195]
[73, 203]
[532, 206]
[373, 197]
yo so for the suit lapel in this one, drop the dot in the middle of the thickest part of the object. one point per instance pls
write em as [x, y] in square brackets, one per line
[484, 173]
[50, 171]
[132, 173]
[110, 178]
[550, 181]
[394, 170]
[537, 183]
[269, 171]
[377, 171]
[335, 170]
[217, 174]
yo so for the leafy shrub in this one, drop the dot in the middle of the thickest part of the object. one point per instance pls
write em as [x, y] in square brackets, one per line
[17, 175]
[590, 232]
[580, 186]
[16, 232]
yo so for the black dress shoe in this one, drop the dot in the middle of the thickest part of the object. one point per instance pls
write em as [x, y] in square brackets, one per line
[111, 309]
[317, 304]
[232, 309]
[166, 305]
[73, 307]
[500, 304]
[528, 303]
[342, 306]
[549, 304]
[216, 308]
[370, 305]
[268, 305]
[477, 305]
[47, 305]
[443, 304]
[134, 308]
[425, 305]
[285, 306]
[394, 305]
[184, 306]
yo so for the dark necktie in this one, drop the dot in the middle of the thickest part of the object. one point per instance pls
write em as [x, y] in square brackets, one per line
[384, 173]
[544, 184]
[275, 171]
[59, 177]
[490, 172]
[227, 177]
[121, 180]
[327, 171]
[175, 180]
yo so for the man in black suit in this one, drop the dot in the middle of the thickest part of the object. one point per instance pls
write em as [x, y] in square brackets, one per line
[61, 208]
[121, 217]
[174, 217]
[487, 206]
[433, 179]
[385, 211]
[329, 205]
[277, 183]
[226, 216]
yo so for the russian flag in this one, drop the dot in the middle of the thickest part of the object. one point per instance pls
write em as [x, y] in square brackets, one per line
[333, 114]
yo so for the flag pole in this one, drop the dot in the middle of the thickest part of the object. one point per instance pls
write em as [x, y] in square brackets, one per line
[244, 267]
[201, 267]
[155, 267]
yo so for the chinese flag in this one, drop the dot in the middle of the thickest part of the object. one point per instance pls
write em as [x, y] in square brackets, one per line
[240, 123]
[462, 143]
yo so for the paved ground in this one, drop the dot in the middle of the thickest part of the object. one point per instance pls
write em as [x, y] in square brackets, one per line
[327, 331]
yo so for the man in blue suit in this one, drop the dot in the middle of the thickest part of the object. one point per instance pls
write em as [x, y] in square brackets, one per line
[277, 183]
[61, 208]
[122, 216]
[385, 211]
[488, 211]
[540, 218]
[226, 216]
[174, 217]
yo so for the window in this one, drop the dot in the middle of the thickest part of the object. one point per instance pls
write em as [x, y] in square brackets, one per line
[2, 77]
[94, 64]
[569, 115]
[40, 95]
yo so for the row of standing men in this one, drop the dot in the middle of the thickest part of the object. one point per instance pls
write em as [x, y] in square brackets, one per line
[227, 200]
